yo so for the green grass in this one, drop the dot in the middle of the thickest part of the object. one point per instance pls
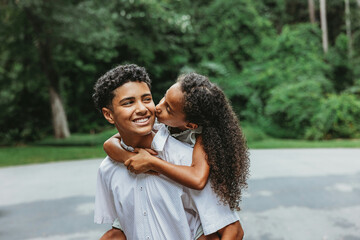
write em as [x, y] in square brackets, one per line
[85, 146]
[257, 139]
[78, 139]
[12, 156]
[78, 146]
[290, 143]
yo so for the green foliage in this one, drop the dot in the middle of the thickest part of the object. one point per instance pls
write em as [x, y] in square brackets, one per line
[291, 107]
[253, 134]
[264, 54]
[341, 74]
[231, 32]
[295, 56]
[85, 38]
[337, 117]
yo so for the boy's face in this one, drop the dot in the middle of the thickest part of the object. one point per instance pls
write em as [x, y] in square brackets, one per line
[133, 109]
[170, 109]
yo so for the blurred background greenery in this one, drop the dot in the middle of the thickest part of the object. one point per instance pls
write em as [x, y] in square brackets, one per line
[268, 56]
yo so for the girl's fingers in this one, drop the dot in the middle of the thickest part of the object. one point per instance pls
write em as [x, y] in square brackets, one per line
[127, 162]
[151, 151]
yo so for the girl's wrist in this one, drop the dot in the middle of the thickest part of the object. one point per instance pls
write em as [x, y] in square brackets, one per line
[154, 163]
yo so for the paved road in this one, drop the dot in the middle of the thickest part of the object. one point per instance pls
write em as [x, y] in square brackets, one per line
[293, 194]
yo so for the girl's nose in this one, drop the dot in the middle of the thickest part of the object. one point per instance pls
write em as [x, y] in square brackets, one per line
[159, 105]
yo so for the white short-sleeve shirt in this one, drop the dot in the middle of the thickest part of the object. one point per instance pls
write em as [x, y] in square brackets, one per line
[155, 207]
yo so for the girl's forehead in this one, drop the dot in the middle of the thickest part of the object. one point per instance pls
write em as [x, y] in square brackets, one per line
[175, 93]
[175, 97]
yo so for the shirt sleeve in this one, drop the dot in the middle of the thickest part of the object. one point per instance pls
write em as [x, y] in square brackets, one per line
[104, 200]
[214, 215]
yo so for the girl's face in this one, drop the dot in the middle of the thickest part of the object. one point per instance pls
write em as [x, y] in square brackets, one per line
[170, 108]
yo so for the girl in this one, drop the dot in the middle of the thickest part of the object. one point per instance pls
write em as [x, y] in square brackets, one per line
[198, 113]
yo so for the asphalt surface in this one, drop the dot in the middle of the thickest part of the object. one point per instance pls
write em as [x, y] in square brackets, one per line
[293, 194]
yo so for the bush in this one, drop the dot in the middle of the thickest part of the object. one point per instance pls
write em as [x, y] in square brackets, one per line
[291, 107]
[337, 117]
[341, 74]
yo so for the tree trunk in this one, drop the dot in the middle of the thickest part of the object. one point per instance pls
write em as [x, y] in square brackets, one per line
[324, 25]
[348, 27]
[43, 44]
[312, 11]
[60, 124]
[59, 119]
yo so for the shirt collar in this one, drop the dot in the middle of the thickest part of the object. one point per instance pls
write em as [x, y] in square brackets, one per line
[160, 137]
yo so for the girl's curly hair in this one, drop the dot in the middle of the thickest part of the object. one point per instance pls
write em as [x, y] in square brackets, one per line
[114, 78]
[224, 143]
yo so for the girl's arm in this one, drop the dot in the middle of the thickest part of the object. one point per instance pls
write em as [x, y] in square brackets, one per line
[113, 149]
[194, 176]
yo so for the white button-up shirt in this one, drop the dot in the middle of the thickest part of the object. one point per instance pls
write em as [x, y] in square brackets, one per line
[155, 207]
[147, 206]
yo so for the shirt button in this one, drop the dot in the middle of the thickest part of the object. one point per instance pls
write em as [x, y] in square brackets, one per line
[147, 238]
[141, 188]
[144, 213]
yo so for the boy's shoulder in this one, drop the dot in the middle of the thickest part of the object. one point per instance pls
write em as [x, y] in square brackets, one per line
[108, 165]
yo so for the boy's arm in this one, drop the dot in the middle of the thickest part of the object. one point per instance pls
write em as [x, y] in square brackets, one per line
[194, 176]
[113, 149]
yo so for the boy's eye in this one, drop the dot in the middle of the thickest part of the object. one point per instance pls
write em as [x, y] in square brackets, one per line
[127, 103]
[148, 99]
[168, 109]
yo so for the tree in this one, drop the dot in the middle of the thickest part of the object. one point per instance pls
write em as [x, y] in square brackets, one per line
[311, 11]
[42, 39]
[324, 25]
[228, 32]
[55, 50]
[41, 42]
[348, 27]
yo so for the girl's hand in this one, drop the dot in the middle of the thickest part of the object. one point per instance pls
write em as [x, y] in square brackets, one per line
[149, 150]
[142, 161]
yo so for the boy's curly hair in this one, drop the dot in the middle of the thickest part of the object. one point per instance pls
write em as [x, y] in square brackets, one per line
[227, 154]
[116, 77]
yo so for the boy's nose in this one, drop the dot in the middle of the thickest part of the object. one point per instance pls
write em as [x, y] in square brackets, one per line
[141, 108]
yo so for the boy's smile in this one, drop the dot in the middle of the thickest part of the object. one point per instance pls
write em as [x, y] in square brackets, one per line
[132, 111]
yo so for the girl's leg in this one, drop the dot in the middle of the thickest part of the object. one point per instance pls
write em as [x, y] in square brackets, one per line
[232, 231]
[114, 234]
[213, 236]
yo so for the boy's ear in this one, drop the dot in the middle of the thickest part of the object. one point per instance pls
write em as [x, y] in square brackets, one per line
[108, 115]
[191, 126]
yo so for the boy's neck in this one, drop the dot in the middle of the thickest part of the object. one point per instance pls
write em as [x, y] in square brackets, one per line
[138, 141]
